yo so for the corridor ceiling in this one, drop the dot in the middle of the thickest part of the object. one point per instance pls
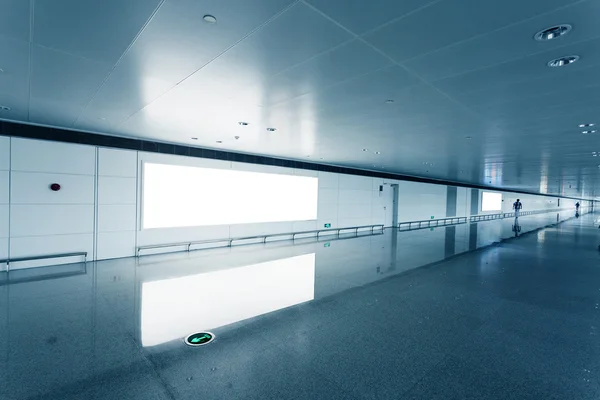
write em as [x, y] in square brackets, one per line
[451, 89]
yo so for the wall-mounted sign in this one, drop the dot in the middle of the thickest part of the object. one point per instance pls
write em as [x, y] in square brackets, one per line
[199, 339]
[327, 225]
[327, 244]
[432, 217]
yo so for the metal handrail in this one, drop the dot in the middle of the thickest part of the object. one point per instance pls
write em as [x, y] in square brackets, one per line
[488, 217]
[429, 222]
[264, 238]
[7, 261]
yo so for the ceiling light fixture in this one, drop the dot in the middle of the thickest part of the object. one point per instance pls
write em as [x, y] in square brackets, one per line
[377, 152]
[194, 138]
[219, 141]
[468, 137]
[390, 101]
[562, 61]
[586, 132]
[271, 129]
[552, 32]
[243, 123]
[210, 19]
[586, 125]
[365, 149]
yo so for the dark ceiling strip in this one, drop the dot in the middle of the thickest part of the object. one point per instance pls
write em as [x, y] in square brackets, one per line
[8, 128]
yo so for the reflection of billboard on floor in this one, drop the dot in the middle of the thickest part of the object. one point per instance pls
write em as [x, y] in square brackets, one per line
[177, 196]
[173, 308]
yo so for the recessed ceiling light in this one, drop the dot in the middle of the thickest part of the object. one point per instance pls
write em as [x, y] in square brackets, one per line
[219, 141]
[243, 123]
[586, 132]
[210, 19]
[390, 101]
[194, 138]
[586, 125]
[271, 129]
[553, 32]
[377, 152]
[562, 61]
[4, 108]
[365, 149]
[468, 137]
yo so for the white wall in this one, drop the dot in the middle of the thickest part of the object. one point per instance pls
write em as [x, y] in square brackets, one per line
[421, 201]
[98, 209]
[117, 199]
[43, 221]
[4, 197]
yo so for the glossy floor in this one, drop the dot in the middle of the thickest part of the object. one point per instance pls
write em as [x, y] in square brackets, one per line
[345, 319]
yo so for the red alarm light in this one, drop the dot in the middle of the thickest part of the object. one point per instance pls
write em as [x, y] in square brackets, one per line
[55, 187]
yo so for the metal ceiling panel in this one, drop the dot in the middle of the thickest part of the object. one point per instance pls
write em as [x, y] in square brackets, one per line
[348, 61]
[14, 73]
[62, 81]
[451, 21]
[507, 44]
[297, 35]
[15, 19]
[585, 79]
[523, 69]
[99, 30]
[176, 43]
[360, 17]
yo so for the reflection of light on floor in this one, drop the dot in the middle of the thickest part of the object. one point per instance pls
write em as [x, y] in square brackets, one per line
[172, 308]
[541, 236]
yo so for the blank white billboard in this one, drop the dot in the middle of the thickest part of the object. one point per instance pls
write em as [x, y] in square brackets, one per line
[491, 201]
[174, 308]
[178, 196]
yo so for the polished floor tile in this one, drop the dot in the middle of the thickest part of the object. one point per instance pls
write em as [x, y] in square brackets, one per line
[403, 315]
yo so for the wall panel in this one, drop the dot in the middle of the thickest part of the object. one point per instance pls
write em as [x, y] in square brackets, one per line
[4, 187]
[52, 157]
[4, 153]
[34, 188]
[115, 245]
[4, 218]
[116, 217]
[48, 220]
[113, 162]
[114, 190]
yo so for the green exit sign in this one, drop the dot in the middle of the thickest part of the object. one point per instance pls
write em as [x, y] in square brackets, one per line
[327, 245]
[327, 225]
[432, 217]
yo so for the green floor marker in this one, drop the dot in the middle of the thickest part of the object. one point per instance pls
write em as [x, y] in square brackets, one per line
[199, 339]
